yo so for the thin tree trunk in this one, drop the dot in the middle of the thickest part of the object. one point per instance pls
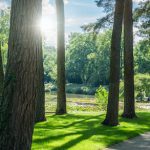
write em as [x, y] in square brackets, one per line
[113, 99]
[61, 95]
[17, 114]
[129, 101]
[1, 74]
[40, 106]
[121, 64]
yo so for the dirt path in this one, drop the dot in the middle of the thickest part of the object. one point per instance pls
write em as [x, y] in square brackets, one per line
[141, 142]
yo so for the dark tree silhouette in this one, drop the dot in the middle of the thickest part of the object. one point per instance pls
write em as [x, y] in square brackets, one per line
[40, 106]
[129, 100]
[1, 74]
[17, 114]
[113, 99]
[61, 95]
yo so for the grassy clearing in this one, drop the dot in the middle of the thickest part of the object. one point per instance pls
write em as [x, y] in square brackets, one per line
[79, 102]
[84, 131]
[75, 102]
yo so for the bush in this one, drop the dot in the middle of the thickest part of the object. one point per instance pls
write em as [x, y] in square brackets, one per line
[101, 98]
[142, 85]
[50, 87]
[142, 88]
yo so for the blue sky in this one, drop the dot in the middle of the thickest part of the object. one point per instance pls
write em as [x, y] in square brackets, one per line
[77, 13]
[81, 12]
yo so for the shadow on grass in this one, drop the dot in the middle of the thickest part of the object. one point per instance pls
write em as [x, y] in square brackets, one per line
[88, 127]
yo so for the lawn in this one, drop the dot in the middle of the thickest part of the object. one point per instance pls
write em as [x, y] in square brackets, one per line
[83, 131]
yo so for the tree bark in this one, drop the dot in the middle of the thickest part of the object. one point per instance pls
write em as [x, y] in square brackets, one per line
[129, 100]
[121, 64]
[113, 99]
[1, 74]
[17, 114]
[61, 95]
[40, 106]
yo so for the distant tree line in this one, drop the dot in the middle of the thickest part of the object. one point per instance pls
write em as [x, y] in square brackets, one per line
[87, 59]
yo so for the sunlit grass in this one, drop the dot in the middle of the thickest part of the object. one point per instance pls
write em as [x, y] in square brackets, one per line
[85, 132]
[78, 102]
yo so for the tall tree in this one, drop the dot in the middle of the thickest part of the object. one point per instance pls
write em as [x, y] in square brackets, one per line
[4, 33]
[108, 7]
[40, 106]
[141, 16]
[21, 81]
[113, 99]
[129, 102]
[61, 95]
[1, 74]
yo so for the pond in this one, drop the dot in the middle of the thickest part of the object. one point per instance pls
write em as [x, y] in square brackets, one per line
[71, 97]
[74, 102]
[79, 102]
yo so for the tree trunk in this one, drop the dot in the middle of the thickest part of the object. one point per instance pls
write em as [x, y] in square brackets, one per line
[40, 106]
[1, 75]
[113, 99]
[121, 64]
[61, 95]
[129, 102]
[21, 81]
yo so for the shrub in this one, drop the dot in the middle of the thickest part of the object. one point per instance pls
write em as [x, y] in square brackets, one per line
[101, 98]
[142, 85]
[50, 87]
[142, 88]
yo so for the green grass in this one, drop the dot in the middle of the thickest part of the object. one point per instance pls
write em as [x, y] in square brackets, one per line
[78, 102]
[74, 102]
[83, 131]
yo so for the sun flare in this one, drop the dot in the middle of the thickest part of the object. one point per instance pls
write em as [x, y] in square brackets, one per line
[48, 28]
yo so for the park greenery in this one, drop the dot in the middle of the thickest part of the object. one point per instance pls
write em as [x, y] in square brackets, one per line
[84, 131]
[92, 74]
[94, 64]
[89, 54]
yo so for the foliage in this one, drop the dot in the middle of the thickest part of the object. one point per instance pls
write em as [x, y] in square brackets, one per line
[141, 15]
[50, 87]
[4, 25]
[142, 88]
[4, 31]
[102, 98]
[78, 64]
[50, 66]
[87, 59]
[142, 55]
[72, 88]
[83, 131]
[106, 21]
[142, 82]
